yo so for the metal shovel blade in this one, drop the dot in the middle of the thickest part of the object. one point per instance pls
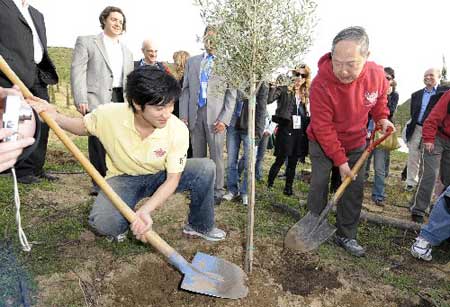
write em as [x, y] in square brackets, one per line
[309, 233]
[216, 277]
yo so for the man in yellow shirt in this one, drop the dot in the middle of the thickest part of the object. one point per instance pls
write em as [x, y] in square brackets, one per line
[146, 156]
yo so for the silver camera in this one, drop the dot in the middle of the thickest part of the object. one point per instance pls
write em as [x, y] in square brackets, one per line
[14, 114]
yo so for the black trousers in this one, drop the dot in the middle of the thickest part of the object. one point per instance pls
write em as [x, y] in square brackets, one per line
[290, 170]
[350, 205]
[34, 164]
[96, 150]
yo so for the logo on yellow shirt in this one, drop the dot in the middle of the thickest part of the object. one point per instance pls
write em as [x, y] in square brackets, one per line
[160, 152]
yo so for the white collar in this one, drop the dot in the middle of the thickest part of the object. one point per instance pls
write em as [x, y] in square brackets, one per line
[109, 39]
[21, 4]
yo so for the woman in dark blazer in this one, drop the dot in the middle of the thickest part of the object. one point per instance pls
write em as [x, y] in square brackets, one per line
[292, 117]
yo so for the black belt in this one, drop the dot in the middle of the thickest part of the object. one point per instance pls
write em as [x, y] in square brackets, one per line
[117, 89]
[419, 124]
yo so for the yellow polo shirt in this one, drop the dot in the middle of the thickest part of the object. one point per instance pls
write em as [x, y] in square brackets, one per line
[127, 153]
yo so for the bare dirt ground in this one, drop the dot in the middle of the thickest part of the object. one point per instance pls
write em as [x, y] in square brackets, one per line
[103, 277]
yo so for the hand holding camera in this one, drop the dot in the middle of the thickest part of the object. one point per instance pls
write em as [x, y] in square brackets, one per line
[17, 127]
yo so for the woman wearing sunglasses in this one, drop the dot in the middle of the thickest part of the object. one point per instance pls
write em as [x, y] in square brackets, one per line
[292, 118]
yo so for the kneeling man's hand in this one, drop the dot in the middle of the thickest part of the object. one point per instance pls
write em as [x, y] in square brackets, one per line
[142, 224]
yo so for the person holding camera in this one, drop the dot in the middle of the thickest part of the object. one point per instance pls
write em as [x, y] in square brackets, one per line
[10, 151]
[23, 45]
[292, 117]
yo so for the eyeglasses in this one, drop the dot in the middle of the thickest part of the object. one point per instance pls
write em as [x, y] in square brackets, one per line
[297, 74]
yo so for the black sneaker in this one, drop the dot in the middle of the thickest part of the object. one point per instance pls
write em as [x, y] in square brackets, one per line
[417, 218]
[28, 179]
[379, 202]
[351, 246]
[48, 177]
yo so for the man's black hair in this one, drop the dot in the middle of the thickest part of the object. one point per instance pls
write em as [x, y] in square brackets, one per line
[390, 71]
[148, 85]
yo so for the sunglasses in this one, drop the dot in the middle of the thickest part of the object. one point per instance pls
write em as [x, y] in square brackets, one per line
[389, 78]
[297, 74]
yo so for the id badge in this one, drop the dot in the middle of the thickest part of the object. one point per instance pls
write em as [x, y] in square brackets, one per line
[296, 121]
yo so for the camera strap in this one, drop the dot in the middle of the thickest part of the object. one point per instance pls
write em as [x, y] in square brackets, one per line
[22, 237]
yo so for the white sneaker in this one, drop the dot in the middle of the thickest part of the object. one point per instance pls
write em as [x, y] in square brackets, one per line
[119, 238]
[229, 196]
[245, 199]
[214, 234]
[421, 249]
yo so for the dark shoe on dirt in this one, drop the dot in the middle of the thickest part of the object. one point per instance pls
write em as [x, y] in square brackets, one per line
[28, 179]
[288, 191]
[217, 201]
[351, 246]
[378, 202]
[417, 218]
[94, 191]
[48, 177]
[409, 188]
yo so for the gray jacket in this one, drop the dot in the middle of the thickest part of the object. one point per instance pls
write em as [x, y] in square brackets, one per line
[220, 99]
[91, 73]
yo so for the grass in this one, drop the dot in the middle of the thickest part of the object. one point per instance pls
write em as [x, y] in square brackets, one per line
[61, 228]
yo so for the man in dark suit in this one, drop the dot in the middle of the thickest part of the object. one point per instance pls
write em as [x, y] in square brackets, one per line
[23, 44]
[422, 102]
[150, 52]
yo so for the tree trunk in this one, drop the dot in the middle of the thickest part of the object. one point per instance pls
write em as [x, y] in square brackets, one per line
[251, 176]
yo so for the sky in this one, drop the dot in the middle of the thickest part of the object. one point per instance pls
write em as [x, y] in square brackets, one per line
[406, 35]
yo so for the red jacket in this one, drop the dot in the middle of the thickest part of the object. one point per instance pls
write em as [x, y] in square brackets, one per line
[438, 117]
[339, 112]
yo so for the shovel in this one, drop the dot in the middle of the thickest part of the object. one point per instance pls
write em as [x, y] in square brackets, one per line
[206, 275]
[312, 230]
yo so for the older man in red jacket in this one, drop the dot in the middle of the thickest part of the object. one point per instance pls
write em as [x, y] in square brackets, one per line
[436, 143]
[345, 91]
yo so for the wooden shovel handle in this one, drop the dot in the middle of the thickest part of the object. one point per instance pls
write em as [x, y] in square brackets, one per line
[152, 237]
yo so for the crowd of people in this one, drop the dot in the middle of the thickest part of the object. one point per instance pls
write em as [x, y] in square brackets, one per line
[155, 129]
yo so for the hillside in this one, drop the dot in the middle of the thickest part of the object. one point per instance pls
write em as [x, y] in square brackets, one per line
[61, 57]
[402, 113]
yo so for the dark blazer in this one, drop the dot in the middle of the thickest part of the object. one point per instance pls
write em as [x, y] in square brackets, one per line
[416, 103]
[16, 46]
[285, 104]
[260, 111]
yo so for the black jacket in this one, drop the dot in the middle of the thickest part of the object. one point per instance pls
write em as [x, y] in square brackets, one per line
[285, 104]
[416, 103]
[392, 104]
[16, 46]
[260, 111]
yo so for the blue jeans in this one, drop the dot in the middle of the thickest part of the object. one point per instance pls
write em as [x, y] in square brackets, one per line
[198, 177]
[379, 165]
[234, 139]
[262, 147]
[438, 227]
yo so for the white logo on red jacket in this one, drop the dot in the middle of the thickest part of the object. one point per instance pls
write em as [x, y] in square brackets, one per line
[371, 98]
